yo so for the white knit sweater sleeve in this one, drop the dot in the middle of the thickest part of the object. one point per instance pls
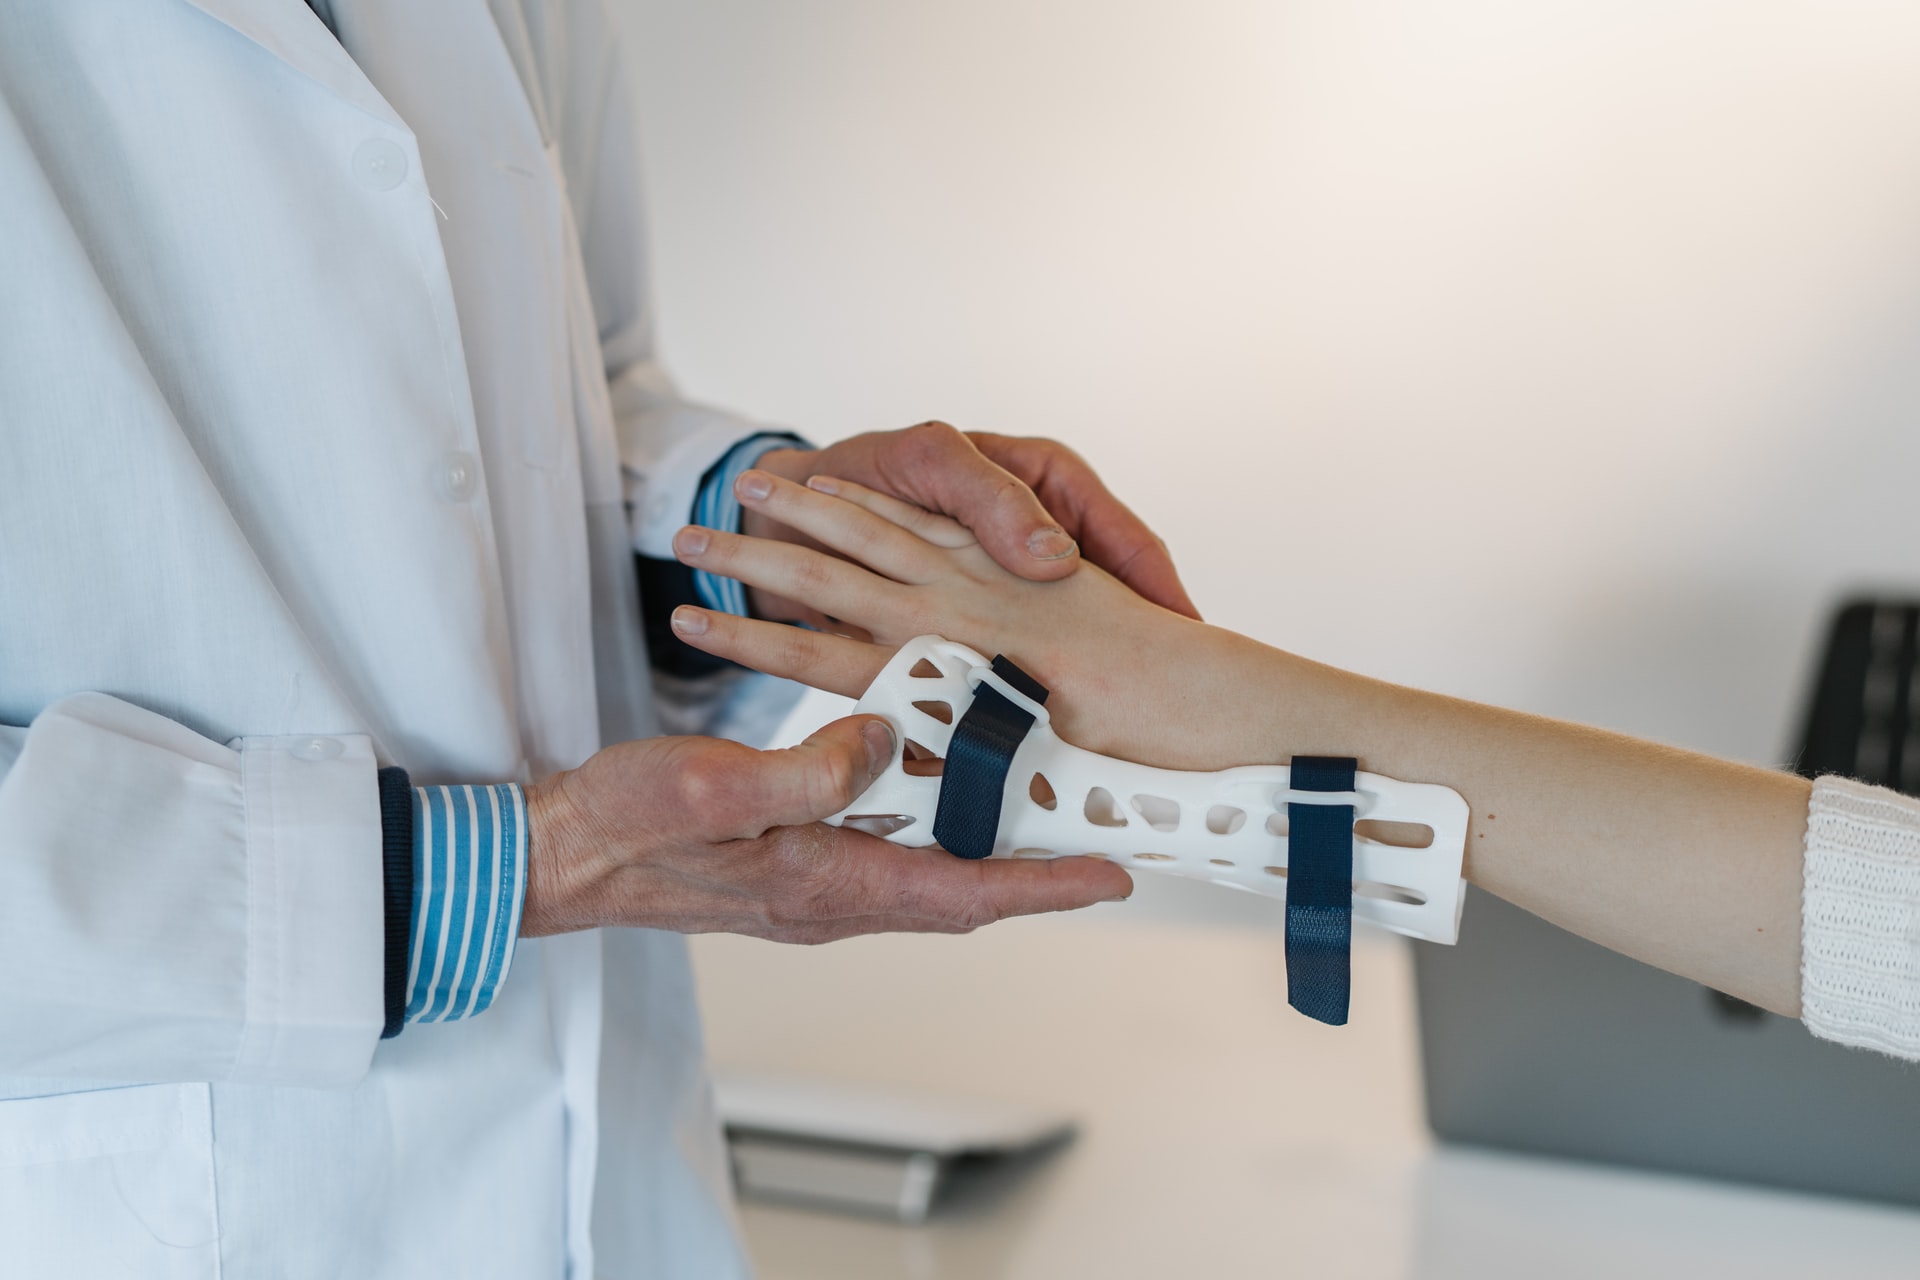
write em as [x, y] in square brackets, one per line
[1860, 927]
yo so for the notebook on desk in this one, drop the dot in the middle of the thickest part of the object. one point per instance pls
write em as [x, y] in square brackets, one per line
[1535, 1040]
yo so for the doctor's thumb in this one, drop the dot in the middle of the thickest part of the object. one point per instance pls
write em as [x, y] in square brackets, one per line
[829, 771]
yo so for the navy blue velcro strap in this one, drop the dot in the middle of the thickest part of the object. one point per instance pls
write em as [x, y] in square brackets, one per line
[1320, 891]
[978, 757]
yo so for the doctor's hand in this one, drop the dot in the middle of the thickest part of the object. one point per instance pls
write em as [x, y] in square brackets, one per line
[1035, 505]
[701, 835]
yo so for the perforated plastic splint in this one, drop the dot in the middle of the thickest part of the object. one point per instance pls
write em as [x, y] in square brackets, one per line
[1229, 828]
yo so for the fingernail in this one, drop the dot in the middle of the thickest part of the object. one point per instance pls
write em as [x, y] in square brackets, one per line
[689, 621]
[1050, 544]
[754, 484]
[691, 541]
[823, 484]
[1121, 897]
[878, 735]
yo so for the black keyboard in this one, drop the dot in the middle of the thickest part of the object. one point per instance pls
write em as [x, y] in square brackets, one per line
[1864, 721]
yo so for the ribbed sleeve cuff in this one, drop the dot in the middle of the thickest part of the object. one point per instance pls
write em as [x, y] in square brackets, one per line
[1860, 928]
[469, 882]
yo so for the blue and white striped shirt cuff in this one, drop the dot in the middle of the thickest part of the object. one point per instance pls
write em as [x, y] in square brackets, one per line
[469, 881]
[715, 507]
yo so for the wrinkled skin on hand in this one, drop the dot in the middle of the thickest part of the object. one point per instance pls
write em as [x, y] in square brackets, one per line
[1034, 505]
[701, 835]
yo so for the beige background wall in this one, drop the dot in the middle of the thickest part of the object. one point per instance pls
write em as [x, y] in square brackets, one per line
[1563, 354]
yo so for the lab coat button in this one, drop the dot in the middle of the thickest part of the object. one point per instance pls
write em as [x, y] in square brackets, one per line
[459, 476]
[316, 748]
[379, 164]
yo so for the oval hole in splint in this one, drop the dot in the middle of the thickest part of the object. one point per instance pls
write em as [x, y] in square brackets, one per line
[1401, 835]
[1388, 893]
[1040, 791]
[879, 824]
[1161, 813]
[1103, 810]
[1225, 819]
[925, 670]
[941, 711]
[917, 761]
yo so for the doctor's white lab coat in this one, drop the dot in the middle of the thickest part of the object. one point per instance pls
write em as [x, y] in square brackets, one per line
[329, 422]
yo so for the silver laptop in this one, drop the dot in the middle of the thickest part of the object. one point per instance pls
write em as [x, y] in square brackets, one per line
[1535, 1040]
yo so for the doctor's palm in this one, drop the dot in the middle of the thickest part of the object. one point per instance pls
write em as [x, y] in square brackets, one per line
[702, 835]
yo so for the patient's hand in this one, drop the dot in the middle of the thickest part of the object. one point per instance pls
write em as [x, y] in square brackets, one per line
[1132, 679]
[1701, 874]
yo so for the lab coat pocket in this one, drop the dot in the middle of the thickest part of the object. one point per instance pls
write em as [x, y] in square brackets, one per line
[117, 1182]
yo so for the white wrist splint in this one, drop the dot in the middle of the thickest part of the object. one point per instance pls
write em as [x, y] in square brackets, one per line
[1229, 827]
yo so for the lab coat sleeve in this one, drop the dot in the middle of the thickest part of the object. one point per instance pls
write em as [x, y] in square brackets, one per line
[667, 442]
[175, 909]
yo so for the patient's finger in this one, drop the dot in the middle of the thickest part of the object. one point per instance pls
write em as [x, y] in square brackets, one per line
[942, 531]
[846, 527]
[804, 575]
[833, 663]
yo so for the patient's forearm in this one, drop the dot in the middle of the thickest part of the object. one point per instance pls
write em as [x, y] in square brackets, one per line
[1686, 862]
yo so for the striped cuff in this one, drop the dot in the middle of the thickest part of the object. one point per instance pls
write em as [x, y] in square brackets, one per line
[715, 507]
[469, 879]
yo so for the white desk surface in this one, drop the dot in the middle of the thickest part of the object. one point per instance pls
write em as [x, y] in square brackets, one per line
[1222, 1134]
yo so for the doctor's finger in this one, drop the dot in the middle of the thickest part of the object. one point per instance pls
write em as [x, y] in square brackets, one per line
[942, 531]
[845, 527]
[806, 576]
[936, 467]
[833, 663]
[1110, 534]
[973, 893]
[798, 786]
